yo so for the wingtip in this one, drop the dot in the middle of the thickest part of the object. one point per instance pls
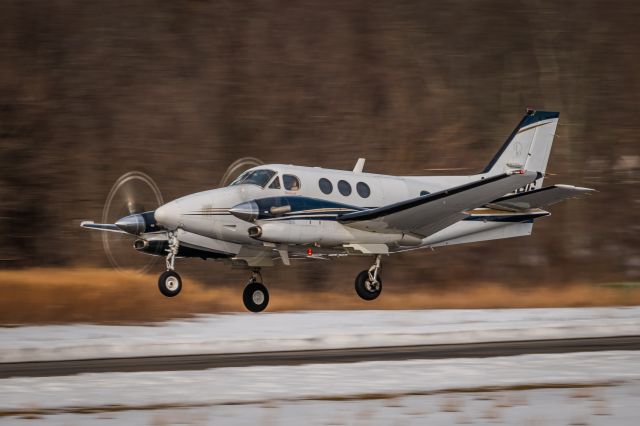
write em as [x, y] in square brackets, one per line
[577, 188]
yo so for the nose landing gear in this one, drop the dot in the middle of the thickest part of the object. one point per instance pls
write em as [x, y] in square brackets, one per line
[255, 295]
[369, 283]
[170, 282]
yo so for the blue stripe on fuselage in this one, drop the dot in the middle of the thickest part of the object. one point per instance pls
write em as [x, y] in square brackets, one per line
[318, 209]
[302, 205]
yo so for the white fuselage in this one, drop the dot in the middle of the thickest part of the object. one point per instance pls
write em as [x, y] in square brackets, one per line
[207, 213]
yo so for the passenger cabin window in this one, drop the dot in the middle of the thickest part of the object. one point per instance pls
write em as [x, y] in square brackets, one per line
[254, 177]
[291, 183]
[363, 189]
[344, 188]
[275, 184]
[325, 186]
[424, 193]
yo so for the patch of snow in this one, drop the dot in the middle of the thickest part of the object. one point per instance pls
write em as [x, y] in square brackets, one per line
[236, 333]
[612, 405]
[313, 381]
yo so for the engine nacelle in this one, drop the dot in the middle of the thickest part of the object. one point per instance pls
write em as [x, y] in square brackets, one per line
[325, 233]
[284, 232]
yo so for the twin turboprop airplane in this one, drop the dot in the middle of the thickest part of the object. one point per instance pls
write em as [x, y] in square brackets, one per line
[281, 212]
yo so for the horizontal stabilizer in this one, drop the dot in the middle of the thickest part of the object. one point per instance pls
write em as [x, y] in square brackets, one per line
[428, 214]
[539, 198]
[110, 227]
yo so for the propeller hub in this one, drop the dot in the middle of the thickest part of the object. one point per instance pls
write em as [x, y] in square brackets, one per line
[133, 224]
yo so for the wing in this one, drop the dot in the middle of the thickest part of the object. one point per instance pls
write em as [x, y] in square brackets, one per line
[431, 213]
[109, 227]
[539, 198]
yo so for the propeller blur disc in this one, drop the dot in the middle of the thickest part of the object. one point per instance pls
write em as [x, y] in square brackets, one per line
[133, 192]
[237, 167]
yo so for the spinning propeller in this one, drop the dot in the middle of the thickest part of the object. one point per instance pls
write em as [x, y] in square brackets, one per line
[129, 212]
[129, 206]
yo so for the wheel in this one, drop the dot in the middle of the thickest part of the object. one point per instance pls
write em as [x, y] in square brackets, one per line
[255, 297]
[170, 283]
[365, 288]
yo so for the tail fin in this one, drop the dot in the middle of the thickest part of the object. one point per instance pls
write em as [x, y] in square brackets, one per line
[528, 146]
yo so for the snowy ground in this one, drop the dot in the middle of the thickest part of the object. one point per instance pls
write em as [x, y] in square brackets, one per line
[234, 333]
[537, 407]
[578, 388]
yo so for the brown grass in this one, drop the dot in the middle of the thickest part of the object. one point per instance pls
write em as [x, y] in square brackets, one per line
[102, 295]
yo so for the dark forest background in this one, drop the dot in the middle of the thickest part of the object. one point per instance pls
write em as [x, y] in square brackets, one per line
[92, 89]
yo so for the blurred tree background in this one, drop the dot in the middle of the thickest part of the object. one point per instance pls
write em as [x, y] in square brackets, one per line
[92, 89]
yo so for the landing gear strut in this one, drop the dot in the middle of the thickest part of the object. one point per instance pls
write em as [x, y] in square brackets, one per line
[170, 282]
[255, 295]
[369, 283]
[174, 245]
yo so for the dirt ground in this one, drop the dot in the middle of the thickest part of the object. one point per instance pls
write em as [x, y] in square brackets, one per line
[40, 296]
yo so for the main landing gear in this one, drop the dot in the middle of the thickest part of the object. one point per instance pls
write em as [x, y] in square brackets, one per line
[255, 295]
[368, 282]
[170, 282]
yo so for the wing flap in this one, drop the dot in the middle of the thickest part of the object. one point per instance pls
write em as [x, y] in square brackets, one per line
[431, 213]
[539, 198]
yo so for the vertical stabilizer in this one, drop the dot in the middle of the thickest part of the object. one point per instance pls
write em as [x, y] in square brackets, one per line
[528, 146]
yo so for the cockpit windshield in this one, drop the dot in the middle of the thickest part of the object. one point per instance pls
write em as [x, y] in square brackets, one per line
[254, 177]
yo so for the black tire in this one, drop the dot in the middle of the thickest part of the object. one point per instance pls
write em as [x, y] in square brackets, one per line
[170, 283]
[255, 297]
[365, 289]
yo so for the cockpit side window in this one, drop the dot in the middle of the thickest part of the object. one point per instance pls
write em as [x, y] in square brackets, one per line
[239, 179]
[291, 183]
[275, 184]
[258, 177]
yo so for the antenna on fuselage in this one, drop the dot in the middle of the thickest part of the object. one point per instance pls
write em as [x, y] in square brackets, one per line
[359, 166]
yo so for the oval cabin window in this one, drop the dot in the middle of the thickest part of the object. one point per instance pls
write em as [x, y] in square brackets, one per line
[344, 188]
[363, 189]
[325, 186]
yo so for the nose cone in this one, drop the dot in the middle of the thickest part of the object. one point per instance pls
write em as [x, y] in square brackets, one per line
[246, 211]
[168, 215]
[133, 224]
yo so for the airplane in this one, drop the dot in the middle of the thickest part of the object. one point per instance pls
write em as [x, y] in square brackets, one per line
[278, 213]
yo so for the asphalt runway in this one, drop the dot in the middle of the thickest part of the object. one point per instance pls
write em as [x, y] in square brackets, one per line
[394, 353]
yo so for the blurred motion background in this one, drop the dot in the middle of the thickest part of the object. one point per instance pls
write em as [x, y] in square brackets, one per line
[179, 90]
